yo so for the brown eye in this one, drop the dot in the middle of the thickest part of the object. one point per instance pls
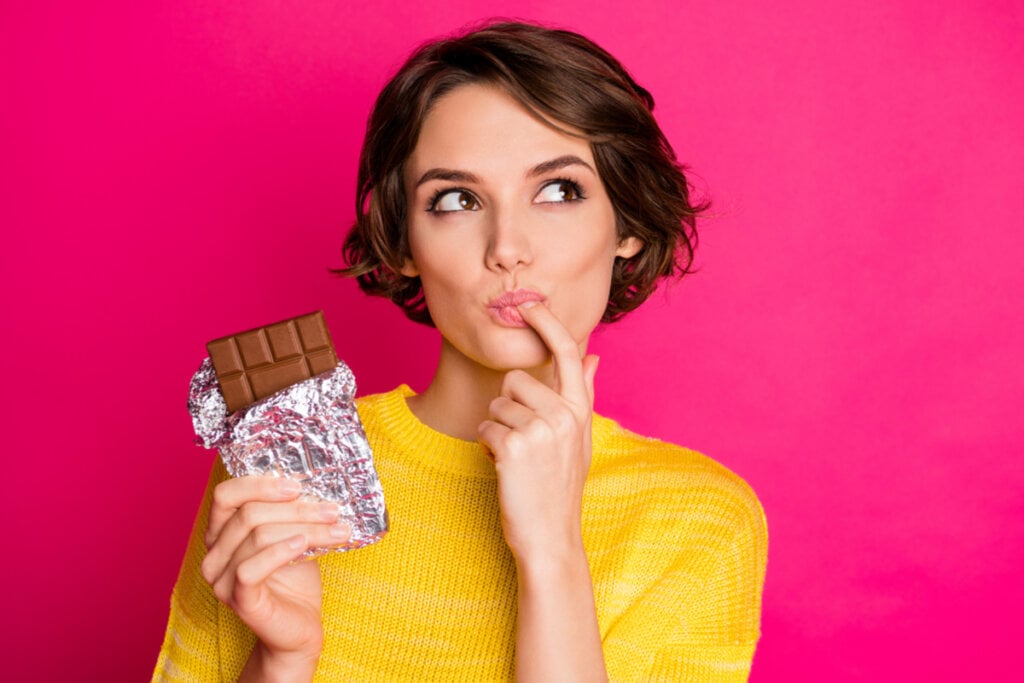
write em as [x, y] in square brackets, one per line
[559, 191]
[455, 200]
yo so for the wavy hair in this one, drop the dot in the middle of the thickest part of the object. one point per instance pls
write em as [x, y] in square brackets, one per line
[562, 78]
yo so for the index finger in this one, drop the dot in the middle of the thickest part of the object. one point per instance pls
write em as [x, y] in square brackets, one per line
[565, 352]
[232, 493]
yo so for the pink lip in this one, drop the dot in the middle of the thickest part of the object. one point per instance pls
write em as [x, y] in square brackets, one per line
[503, 308]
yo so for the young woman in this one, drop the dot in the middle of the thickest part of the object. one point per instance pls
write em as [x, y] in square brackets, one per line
[514, 192]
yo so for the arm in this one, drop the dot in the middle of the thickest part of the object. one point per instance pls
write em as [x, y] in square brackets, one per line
[540, 438]
[557, 636]
[698, 617]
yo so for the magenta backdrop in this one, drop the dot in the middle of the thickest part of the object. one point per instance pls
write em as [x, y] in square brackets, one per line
[852, 345]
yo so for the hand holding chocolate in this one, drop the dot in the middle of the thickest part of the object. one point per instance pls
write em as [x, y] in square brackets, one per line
[276, 400]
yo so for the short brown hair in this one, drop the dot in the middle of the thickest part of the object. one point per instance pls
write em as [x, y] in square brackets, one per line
[559, 76]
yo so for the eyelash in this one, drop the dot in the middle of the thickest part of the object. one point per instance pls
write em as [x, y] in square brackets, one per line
[440, 192]
[432, 204]
[576, 188]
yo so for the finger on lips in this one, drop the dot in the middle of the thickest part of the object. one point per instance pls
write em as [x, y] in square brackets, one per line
[550, 329]
[590, 363]
[565, 351]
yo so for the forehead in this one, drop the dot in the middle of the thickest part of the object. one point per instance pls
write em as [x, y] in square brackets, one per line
[483, 129]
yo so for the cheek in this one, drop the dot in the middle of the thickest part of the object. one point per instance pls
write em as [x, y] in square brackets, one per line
[587, 293]
[443, 279]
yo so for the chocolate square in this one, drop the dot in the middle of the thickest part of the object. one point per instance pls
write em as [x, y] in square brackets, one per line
[256, 363]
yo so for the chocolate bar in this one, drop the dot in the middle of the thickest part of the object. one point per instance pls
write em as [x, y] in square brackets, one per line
[256, 363]
[302, 423]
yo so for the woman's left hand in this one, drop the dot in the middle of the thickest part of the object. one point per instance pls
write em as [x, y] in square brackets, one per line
[540, 438]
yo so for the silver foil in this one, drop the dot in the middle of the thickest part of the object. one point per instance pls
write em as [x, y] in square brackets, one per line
[309, 432]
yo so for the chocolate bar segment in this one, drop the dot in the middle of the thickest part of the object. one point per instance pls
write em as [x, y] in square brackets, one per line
[256, 363]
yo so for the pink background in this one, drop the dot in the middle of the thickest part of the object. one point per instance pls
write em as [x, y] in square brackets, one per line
[175, 171]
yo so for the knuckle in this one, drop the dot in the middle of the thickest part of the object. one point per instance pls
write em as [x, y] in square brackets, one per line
[486, 430]
[222, 494]
[260, 537]
[537, 428]
[246, 516]
[563, 422]
[222, 592]
[515, 442]
[245, 575]
[207, 570]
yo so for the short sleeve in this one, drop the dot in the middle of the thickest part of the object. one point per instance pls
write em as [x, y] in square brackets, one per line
[193, 649]
[699, 620]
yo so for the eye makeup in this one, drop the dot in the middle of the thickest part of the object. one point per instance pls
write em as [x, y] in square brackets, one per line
[567, 186]
[436, 197]
[570, 186]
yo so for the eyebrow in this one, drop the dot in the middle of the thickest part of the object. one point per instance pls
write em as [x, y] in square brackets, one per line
[447, 174]
[456, 176]
[558, 163]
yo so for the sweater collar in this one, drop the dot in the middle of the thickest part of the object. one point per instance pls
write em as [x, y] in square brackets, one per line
[441, 451]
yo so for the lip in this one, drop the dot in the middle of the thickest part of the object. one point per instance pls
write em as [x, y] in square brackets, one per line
[503, 307]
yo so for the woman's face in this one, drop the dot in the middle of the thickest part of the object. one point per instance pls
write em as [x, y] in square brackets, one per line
[503, 209]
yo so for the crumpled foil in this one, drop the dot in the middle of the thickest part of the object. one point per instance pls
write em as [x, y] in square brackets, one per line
[309, 432]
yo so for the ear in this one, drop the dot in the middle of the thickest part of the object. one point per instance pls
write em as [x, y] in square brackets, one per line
[629, 247]
[409, 268]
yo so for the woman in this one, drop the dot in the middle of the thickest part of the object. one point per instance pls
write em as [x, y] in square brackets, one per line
[514, 191]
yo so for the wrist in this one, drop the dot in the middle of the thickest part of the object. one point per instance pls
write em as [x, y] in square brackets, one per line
[553, 564]
[555, 545]
[266, 666]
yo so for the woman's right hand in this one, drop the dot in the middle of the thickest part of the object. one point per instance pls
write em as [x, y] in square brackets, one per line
[258, 527]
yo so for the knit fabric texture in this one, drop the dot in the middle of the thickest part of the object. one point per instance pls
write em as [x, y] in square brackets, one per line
[676, 545]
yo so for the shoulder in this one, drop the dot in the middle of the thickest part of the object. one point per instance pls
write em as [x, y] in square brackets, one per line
[371, 404]
[384, 411]
[685, 536]
[672, 481]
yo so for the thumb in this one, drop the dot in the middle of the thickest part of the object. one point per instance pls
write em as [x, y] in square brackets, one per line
[590, 363]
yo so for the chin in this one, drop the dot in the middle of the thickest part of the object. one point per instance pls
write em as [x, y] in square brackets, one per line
[516, 355]
[517, 361]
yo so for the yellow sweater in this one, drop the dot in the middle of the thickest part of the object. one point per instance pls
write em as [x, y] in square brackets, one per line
[676, 545]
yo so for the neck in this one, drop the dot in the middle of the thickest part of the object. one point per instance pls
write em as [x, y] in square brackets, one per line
[457, 400]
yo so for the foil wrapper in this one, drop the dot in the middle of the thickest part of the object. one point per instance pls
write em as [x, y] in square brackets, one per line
[309, 432]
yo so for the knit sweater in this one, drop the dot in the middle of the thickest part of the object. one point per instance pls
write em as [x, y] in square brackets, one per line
[676, 545]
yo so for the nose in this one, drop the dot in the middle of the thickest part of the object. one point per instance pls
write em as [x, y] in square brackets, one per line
[509, 246]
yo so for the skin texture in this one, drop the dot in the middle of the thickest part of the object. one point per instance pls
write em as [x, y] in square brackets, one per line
[516, 233]
[499, 202]
[515, 237]
[494, 213]
[257, 529]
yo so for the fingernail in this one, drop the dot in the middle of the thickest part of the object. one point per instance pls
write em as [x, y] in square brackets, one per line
[528, 304]
[328, 511]
[296, 542]
[288, 487]
[341, 530]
